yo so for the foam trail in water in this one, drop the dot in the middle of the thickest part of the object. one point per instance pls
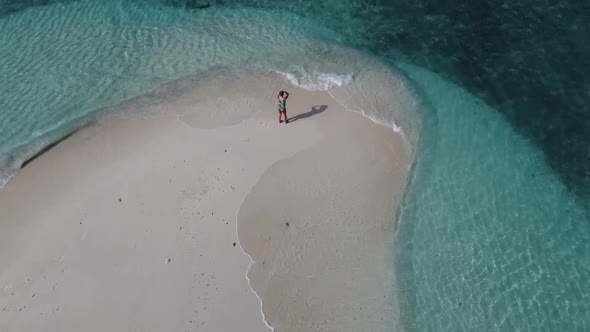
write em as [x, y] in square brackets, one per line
[391, 104]
[6, 176]
[316, 81]
[319, 81]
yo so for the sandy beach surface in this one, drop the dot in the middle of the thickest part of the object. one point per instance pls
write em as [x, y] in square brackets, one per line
[151, 223]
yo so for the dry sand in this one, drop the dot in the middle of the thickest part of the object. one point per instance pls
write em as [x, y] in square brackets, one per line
[130, 224]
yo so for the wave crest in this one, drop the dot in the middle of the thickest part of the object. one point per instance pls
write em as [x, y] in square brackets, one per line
[316, 81]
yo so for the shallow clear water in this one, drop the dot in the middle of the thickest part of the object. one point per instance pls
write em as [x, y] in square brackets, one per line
[82, 57]
[490, 238]
[494, 228]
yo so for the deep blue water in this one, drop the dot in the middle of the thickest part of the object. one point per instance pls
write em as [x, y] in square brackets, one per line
[530, 60]
[484, 247]
[495, 231]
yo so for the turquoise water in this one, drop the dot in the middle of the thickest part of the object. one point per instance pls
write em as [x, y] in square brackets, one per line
[490, 237]
[85, 56]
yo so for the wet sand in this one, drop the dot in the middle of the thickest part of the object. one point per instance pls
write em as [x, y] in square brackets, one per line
[130, 224]
[320, 228]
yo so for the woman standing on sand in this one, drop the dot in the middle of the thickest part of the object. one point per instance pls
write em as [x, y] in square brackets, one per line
[282, 97]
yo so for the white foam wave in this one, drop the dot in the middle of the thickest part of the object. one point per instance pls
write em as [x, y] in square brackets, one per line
[7, 176]
[316, 81]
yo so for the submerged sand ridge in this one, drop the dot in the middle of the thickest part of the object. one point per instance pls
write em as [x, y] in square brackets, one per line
[130, 224]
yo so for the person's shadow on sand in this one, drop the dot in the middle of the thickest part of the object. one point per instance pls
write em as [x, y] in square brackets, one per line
[314, 110]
